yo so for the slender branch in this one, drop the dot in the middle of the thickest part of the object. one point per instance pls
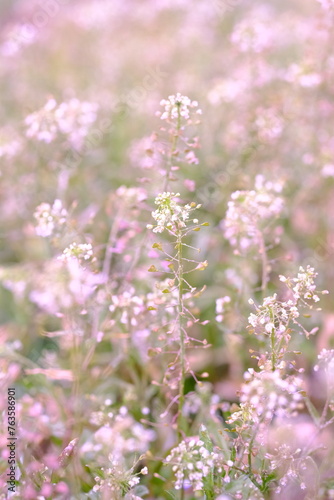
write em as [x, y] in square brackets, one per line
[264, 259]
[182, 334]
[175, 136]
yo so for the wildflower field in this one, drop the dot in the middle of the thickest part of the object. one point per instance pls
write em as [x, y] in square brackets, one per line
[167, 241]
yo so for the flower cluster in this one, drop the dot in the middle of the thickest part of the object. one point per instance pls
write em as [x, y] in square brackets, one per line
[303, 286]
[303, 74]
[177, 107]
[244, 417]
[326, 359]
[50, 218]
[270, 393]
[118, 482]
[326, 4]
[130, 306]
[191, 463]
[249, 212]
[251, 36]
[288, 464]
[81, 252]
[72, 118]
[145, 153]
[10, 144]
[170, 215]
[268, 124]
[272, 315]
[132, 195]
[220, 307]
[118, 430]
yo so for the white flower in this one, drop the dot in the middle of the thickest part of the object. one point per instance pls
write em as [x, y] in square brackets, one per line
[192, 462]
[269, 327]
[80, 252]
[178, 106]
[251, 35]
[71, 119]
[303, 286]
[49, 218]
[249, 212]
[169, 214]
[271, 393]
[220, 307]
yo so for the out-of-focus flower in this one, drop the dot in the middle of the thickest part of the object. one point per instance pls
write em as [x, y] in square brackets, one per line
[116, 481]
[220, 307]
[326, 361]
[304, 75]
[192, 461]
[271, 393]
[326, 4]
[146, 153]
[328, 170]
[252, 36]
[130, 305]
[49, 218]
[72, 119]
[81, 252]
[227, 90]
[132, 195]
[120, 432]
[10, 144]
[268, 124]
[249, 211]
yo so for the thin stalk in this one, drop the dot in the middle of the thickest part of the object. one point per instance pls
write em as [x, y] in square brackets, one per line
[111, 239]
[264, 260]
[175, 137]
[272, 341]
[180, 421]
[326, 406]
[273, 354]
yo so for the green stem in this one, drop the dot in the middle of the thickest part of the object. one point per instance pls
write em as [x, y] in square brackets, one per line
[273, 354]
[175, 136]
[272, 342]
[180, 421]
[264, 260]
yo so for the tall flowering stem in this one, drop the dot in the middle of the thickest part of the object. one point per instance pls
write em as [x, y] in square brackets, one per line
[275, 390]
[181, 330]
[178, 113]
[174, 139]
[248, 224]
[176, 219]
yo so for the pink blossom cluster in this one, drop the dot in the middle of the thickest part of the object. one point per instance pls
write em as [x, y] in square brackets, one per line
[70, 119]
[250, 213]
